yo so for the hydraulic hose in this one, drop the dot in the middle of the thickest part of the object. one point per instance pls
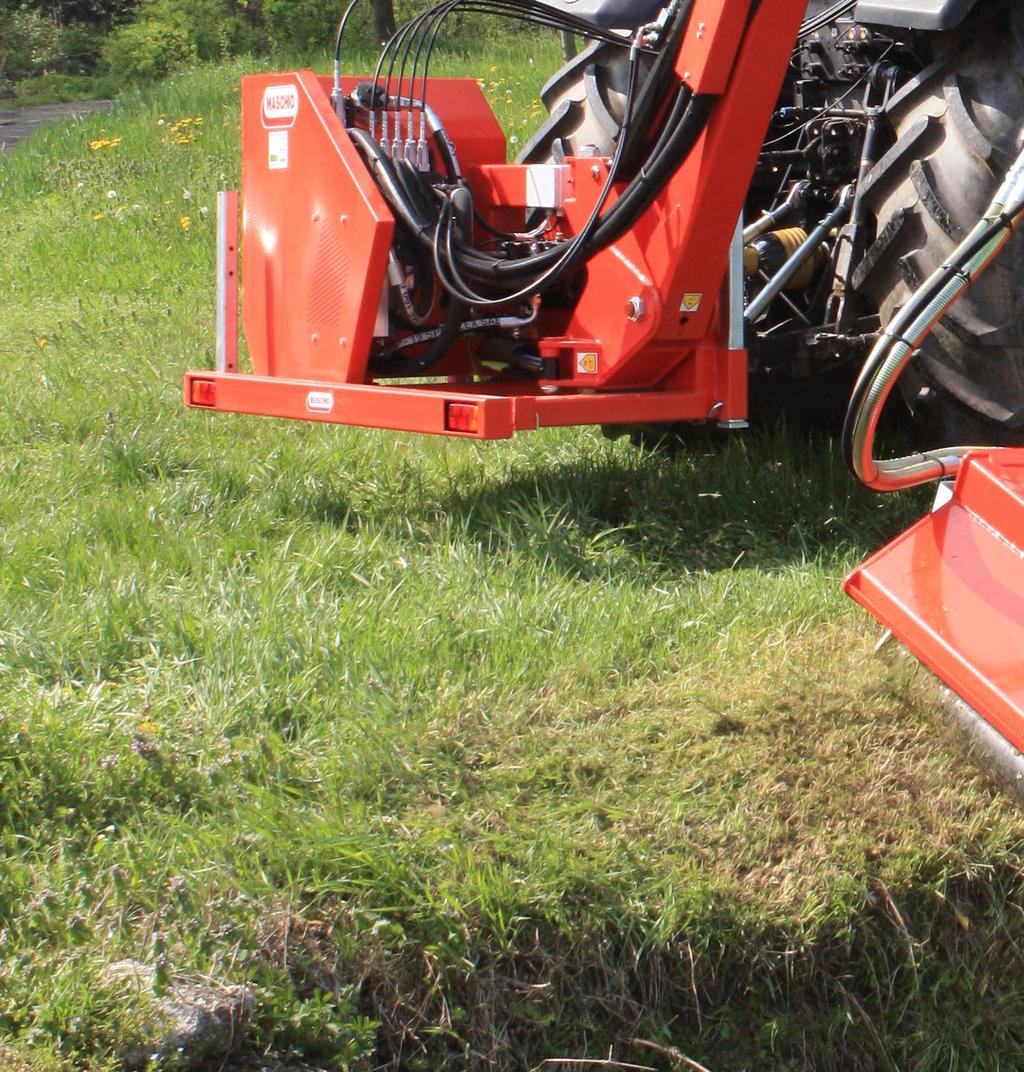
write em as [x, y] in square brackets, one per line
[507, 277]
[657, 85]
[441, 341]
[903, 337]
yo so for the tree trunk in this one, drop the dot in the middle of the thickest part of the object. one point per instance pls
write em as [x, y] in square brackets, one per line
[383, 19]
[568, 46]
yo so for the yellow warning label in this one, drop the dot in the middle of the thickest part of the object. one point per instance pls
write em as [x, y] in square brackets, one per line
[692, 303]
[587, 364]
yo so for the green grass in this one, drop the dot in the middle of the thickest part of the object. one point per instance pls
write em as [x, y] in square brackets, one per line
[56, 88]
[462, 756]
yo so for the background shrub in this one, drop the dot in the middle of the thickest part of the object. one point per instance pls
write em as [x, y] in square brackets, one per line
[170, 34]
[148, 49]
[29, 42]
[298, 24]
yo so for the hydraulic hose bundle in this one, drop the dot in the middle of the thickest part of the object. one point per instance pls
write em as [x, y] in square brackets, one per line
[400, 137]
[903, 337]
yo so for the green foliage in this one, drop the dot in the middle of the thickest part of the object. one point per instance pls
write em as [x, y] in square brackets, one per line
[81, 46]
[169, 35]
[150, 48]
[29, 42]
[120, 43]
[56, 87]
[99, 13]
[299, 24]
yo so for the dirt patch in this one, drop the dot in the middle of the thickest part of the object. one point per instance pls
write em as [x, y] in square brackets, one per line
[18, 123]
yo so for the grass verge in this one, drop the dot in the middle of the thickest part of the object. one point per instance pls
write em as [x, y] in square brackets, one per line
[56, 88]
[461, 756]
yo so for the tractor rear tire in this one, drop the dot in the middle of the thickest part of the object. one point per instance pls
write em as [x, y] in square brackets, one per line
[586, 101]
[956, 129]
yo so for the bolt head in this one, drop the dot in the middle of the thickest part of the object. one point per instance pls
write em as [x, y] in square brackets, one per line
[636, 309]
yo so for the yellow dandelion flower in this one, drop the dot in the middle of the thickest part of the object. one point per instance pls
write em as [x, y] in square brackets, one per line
[96, 217]
[148, 727]
[42, 343]
[186, 224]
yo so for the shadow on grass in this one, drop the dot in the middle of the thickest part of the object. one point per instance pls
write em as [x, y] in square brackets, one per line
[767, 500]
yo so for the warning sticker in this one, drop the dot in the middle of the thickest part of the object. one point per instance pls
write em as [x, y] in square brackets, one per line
[278, 150]
[692, 303]
[587, 364]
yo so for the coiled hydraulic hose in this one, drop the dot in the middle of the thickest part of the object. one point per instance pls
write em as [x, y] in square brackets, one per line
[903, 337]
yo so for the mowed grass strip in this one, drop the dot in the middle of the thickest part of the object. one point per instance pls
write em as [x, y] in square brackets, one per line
[462, 756]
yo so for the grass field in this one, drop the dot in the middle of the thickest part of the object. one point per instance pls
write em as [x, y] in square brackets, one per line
[460, 756]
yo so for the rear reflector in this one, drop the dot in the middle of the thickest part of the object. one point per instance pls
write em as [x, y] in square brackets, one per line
[204, 393]
[462, 417]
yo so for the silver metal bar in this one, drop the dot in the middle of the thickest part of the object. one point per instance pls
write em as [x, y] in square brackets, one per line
[737, 325]
[986, 746]
[759, 306]
[770, 220]
[227, 281]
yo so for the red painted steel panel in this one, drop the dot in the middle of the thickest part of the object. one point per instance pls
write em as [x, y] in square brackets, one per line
[709, 49]
[316, 235]
[952, 590]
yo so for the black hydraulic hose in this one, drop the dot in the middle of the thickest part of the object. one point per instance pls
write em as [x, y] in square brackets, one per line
[680, 134]
[812, 25]
[571, 252]
[339, 40]
[656, 85]
[389, 184]
[641, 192]
[637, 198]
[419, 194]
[534, 13]
[675, 143]
[644, 190]
[441, 344]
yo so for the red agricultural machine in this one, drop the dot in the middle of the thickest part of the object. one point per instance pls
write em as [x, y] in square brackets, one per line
[733, 204]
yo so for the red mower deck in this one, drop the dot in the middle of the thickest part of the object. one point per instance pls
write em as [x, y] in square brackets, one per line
[952, 590]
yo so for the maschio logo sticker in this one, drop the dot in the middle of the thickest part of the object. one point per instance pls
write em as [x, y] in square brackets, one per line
[280, 107]
[320, 401]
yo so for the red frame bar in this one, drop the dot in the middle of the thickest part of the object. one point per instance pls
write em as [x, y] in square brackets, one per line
[502, 409]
